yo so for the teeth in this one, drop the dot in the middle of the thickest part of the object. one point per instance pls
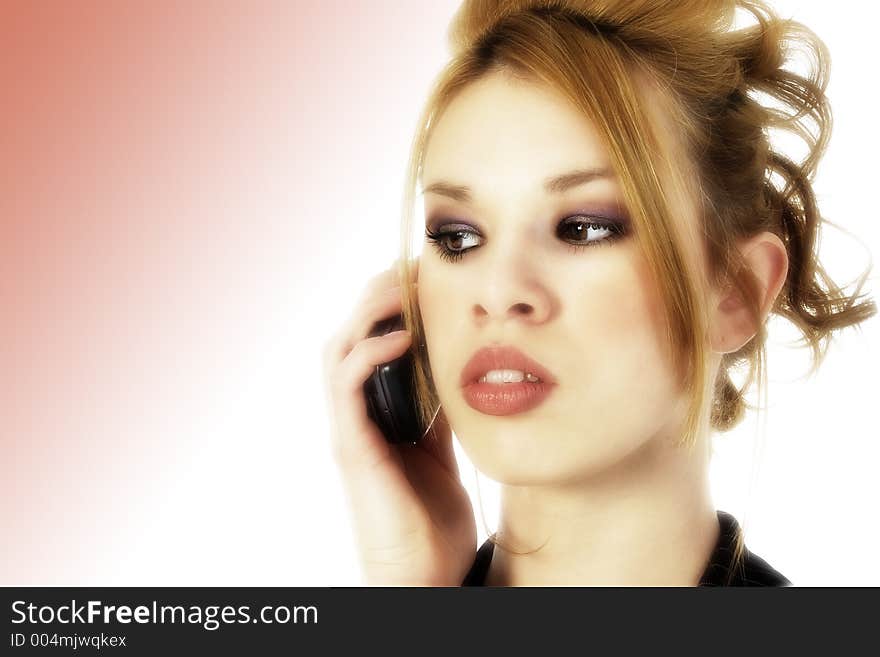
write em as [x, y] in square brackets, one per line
[508, 376]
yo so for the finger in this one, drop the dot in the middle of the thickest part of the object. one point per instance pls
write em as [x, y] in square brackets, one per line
[347, 397]
[382, 306]
[380, 299]
[391, 276]
[335, 350]
[379, 282]
[387, 279]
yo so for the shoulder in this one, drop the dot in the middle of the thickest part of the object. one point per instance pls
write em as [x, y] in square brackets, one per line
[757, 572]
[725, 570]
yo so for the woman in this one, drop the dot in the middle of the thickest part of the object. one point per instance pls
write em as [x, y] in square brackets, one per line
[607, 231]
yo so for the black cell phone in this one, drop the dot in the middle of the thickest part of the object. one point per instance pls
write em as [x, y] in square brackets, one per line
[390, 392]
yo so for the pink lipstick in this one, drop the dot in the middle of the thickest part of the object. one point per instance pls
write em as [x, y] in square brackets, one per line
[515, 382]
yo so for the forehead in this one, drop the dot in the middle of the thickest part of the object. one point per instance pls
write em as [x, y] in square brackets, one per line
[500, 132]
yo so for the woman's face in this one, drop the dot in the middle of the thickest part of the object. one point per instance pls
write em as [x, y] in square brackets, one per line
[534, 274]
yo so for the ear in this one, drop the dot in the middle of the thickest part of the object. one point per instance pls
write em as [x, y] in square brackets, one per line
[731, 326]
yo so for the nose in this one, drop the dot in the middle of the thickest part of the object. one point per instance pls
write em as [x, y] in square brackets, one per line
[511, 289]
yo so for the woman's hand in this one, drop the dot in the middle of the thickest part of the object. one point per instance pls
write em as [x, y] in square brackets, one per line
[413, 519]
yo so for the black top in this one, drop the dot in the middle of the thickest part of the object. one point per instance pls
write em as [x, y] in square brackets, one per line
[754, 572]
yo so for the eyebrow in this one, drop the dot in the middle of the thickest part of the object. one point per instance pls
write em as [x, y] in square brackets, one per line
[553, 185]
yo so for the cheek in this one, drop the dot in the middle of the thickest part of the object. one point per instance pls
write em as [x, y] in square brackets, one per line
[624, 322]
[627, 307]
[649, 302]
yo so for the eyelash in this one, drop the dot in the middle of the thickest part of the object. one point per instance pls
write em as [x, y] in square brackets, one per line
[618, 230]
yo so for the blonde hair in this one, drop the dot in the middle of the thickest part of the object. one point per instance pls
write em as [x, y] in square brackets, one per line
[593, 52]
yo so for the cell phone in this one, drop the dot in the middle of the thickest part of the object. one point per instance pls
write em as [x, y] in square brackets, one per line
[390, 392]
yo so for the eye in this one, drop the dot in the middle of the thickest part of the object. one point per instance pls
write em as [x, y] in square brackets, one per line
[580, 231]
[590, 231]
[450, 244]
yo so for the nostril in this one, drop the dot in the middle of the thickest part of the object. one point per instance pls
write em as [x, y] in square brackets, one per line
[479, 311]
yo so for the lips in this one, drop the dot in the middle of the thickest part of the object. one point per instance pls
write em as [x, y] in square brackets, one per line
[504, 398]
[502, 358]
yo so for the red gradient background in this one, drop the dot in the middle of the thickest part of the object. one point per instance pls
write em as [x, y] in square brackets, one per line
[167, 183]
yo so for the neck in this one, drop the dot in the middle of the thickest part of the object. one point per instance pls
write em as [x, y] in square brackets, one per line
[648, 522]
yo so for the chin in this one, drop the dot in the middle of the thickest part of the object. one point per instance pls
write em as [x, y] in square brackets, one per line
[518, 459]
[522, 457]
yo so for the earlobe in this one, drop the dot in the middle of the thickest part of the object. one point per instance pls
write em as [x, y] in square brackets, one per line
[732, 325]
